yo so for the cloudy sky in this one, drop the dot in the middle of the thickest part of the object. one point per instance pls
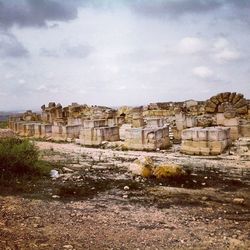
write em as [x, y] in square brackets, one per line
[122, 51]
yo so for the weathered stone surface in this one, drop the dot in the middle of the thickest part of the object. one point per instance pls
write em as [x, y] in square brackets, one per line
[210, 109]
[65, 123]
[226, 96]
[220, 97]
[214, 100]
[95, 136]
[230, 113]
[244, 130]
[147, 138]
[237, 98]
[242, 110]
[240, 103]
[231, 97]
[205, 141]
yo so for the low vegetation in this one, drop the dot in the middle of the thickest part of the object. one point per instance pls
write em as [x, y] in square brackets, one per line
[20, 158]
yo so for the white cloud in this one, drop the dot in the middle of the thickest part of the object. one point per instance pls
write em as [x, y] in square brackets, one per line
[191, 45]
[227, 55]
[202, 72]
[224, 52]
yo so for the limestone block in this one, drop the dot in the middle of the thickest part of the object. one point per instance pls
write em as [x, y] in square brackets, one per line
[71, 131]
[30, 130]
[195, 136]
[199, 144]
[188, 143]
[147, 138]
[195, 147]
[204, 151]
[226, 96]
[211, 104]
[187, 134]
[191, 122]
[180, 124]
[214, 100]
[123, 130]
[94, 123]
[220, 97]
[217, 134]
[217, 147]
[209, 109]
[74, 121]
[234, 132]
[58, 133]
[38, 131]
[230, 113]
[180, 117]
[188, 150]
[21, 128]
[220, 118]
[137, 122]
[242, 102]
[203, 134]
[231, 122]
[245, 130]
[111, 122]
[237, 98]
[46, 130]
[56, 129]
[231, 97]
[154, 122]
[176, 134]
[242, 110]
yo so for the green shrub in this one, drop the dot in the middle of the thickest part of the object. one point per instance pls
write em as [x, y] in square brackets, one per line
[20, 157]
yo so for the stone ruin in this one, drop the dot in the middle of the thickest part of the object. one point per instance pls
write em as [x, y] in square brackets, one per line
[205, 141]
[155, 126]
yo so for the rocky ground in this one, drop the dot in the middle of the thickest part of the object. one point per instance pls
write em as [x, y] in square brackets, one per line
[95, 203]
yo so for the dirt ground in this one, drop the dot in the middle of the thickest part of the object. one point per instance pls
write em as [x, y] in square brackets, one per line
[97, 204]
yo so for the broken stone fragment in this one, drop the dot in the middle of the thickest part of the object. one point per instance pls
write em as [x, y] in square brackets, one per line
[168, 170]
[238, 201]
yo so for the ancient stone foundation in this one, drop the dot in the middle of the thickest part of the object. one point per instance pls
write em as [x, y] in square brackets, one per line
[147, 138]
[148, 127]
[97, 135]
[205, 141]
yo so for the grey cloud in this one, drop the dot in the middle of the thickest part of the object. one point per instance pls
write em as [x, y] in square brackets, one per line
[10, 46]
[48, 53]
[233, 9]
[80, 51]
[175, 8]
[70, 51]
[27, 13]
